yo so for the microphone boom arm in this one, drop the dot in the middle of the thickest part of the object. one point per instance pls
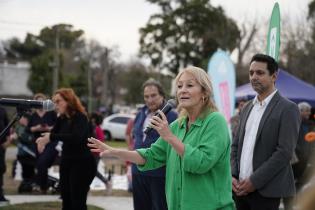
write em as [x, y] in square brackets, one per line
[17, 116]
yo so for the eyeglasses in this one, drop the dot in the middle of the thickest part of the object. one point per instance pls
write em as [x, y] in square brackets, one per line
[57, 101]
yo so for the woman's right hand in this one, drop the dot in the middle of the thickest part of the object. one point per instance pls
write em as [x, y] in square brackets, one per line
[98, 146]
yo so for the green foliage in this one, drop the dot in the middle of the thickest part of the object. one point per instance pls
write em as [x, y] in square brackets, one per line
[79, 81]
[311, 9]
[116, 144]
[67, 36]
[40, 79]
[133, 79]
[40, 51]
[300, 49]
[186, 32]
[27, 50]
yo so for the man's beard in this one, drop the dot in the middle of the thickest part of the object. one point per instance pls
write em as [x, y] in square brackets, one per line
[258, 87]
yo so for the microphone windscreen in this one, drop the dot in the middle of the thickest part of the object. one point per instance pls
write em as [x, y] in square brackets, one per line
[48, 105]
[172, 102]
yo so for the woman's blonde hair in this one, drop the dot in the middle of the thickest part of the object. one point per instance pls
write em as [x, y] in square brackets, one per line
[203, 79]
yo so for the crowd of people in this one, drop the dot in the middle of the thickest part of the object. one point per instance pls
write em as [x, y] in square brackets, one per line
[268, 134]
[188, 159]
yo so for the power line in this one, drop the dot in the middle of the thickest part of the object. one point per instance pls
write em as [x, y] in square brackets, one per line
[18, 23]
[5, 1]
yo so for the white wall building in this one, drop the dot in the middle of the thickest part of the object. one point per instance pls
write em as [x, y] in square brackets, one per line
[13, 79]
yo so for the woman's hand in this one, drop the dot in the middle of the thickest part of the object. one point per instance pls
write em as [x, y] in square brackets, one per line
[160, 124]
[98, 146]
[42, 141]
[162, 127]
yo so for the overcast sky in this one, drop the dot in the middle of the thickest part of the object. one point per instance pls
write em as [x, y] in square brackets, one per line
[116, 22]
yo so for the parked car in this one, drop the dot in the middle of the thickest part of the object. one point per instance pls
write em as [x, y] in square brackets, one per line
[114, 126]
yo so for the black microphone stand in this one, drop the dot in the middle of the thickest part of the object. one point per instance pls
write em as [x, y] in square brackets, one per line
[19, 112]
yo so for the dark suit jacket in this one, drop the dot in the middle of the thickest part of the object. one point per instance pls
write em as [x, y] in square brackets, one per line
[275, 142]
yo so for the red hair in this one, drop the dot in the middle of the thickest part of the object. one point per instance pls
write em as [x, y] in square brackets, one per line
[73, 102]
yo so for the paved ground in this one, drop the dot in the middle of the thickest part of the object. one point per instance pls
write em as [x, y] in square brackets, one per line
[108, 202]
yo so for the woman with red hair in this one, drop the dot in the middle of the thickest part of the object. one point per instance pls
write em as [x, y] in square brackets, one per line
[77, 167]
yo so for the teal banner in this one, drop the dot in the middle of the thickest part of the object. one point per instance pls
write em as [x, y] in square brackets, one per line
[273, 39]
[222, 74]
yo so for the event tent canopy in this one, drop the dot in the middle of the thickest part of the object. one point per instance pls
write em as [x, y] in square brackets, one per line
[288, 85]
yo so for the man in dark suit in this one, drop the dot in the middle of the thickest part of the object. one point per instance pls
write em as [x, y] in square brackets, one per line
[265, 141]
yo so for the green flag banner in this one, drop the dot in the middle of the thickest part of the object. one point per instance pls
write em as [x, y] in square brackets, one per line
[273, 39]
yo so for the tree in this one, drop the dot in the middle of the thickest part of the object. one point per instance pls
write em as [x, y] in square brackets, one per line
[299, 46]
[186, 32]
[244, 45]
[40, 51]
[132, 79]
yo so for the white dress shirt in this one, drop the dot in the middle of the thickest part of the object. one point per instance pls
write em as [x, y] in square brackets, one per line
[251, 128]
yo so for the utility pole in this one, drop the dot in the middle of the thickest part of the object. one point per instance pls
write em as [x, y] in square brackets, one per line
[56, 63]
[89, 84]
[105, 66]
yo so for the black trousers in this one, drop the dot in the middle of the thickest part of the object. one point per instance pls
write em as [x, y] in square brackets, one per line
[2, 169]
[28, 167]
[255, 201]
[75, 179]
[148, 192]
[45, 161]
[98, 174]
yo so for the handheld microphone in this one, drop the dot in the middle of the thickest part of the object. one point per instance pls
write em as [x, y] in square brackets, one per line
[170, 104]
[46, 105]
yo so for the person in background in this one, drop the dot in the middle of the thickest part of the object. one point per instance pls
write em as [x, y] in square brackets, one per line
[4, 142]
[41, 122]
[26, 154]
[306, 196]
[130, 144]
[148, 187]
[96, 120]
[77, 165]
[304, 151]
[265, 142]
[195, 148]
[235, 120]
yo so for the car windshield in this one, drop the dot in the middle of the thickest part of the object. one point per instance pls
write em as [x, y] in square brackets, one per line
[120, 120]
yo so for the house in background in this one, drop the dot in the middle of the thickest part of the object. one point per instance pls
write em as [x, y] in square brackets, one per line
[13, 79]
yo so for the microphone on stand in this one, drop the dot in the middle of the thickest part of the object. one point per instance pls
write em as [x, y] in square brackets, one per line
[46, 105]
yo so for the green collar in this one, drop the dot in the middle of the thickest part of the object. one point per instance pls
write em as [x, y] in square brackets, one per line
[183, 123]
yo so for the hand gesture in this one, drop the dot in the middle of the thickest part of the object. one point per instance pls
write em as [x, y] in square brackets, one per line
[98, 146]
[42, 141]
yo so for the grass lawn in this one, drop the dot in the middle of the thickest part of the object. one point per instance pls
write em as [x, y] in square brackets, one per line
[117, 144]
[41, 206]
[10, 185]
